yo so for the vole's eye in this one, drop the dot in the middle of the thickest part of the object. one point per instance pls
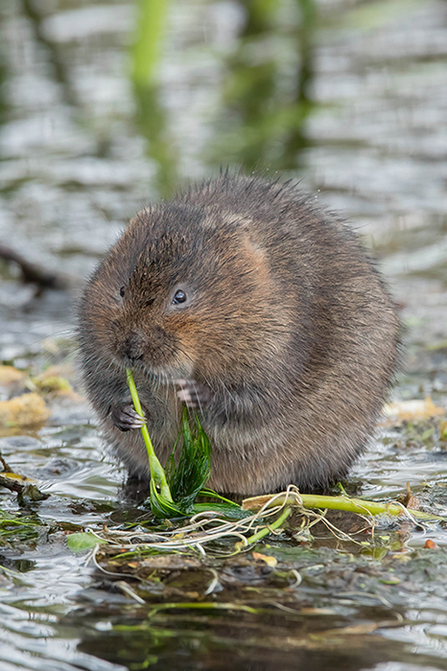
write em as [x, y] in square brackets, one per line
[122, 291]
[179, 297]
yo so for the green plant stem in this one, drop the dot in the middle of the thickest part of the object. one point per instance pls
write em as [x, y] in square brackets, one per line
[157, 473]
[271, 527]
[359, 506]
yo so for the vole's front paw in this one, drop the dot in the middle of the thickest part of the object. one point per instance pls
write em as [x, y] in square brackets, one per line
[125, 417]
[194, 394]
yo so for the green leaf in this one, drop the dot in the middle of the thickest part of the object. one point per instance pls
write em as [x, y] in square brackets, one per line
[193, 469]
[78, 542]
[161, 506]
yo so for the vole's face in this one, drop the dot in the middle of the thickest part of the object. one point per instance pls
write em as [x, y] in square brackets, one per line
[138, 304]
[191, 305]
[150, 327]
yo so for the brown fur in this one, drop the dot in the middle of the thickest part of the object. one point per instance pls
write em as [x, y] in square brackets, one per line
[288, 325]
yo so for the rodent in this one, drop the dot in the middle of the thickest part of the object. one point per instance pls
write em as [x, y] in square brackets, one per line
[263, 311]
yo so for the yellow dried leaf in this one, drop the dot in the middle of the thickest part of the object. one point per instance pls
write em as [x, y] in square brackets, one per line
[270, 561]
[256, 502]
[25, 410]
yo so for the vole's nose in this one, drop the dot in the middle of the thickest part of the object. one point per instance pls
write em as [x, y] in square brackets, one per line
[133, 346]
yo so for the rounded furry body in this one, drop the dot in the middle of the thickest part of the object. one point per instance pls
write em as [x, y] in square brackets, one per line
[246, 300]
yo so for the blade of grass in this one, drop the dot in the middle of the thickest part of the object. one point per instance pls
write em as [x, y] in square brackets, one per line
[187, 479]
[161, 501]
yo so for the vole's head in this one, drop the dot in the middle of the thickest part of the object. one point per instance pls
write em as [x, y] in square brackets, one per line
[186, 292]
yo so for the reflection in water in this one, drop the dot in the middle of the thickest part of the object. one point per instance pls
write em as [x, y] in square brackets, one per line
[267, 88]
[60, 70]
[151, 123]
[266, 642]
[3, 79]
[296, 140]
[151, 117]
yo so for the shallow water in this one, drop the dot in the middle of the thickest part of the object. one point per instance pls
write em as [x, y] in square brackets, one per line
[75, 165]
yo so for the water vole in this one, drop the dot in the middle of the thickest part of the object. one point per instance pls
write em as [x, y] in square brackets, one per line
[245, 300]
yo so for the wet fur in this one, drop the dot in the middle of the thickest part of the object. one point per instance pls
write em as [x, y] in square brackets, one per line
[290, 327]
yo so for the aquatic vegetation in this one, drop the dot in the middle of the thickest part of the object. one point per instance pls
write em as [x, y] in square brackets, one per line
[172, 494]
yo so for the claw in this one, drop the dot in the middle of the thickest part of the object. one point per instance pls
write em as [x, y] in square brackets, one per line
[194, 394]
[125, 417]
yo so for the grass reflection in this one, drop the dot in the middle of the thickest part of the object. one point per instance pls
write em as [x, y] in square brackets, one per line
[151, 117]
[266, 93]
